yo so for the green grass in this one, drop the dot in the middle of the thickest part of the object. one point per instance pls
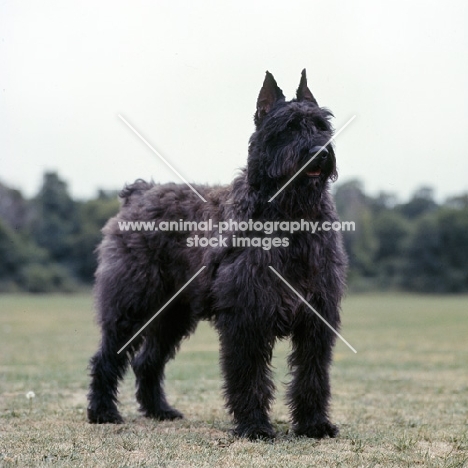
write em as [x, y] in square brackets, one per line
[402, 401]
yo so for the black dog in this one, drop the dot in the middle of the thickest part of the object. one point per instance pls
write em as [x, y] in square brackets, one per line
[250, 306]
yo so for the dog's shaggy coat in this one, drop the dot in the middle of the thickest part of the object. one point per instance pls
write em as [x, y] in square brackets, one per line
[139, 271]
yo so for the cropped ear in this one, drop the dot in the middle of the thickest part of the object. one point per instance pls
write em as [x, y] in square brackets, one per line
[269, 95]
[303, 92]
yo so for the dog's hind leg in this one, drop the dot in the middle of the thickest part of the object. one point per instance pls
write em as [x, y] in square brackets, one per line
[309, 390]
[123, 308]
[246, 352]
[107, 368]
[161, 344]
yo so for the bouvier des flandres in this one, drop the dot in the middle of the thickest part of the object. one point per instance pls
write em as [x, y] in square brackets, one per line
[140, 270]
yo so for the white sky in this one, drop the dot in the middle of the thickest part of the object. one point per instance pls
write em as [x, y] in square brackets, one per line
[187, 75]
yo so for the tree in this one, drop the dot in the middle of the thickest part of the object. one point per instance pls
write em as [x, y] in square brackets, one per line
[55, 217]
[453, 229]
[437, 255]
[392, 231]
[13, 207]
[12, 252]
[350, 199]
[353, 205]
[423, 264]
[421, 203]
[92, 215]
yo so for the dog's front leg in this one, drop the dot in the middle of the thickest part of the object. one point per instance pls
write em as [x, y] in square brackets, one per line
[309, 390]
[246, 352]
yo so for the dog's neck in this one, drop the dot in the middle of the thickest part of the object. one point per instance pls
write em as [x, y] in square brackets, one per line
[247, 202]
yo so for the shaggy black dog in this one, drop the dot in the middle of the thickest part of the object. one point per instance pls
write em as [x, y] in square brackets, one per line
[250, 306]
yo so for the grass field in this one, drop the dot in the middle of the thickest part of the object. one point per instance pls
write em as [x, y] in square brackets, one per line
[401, 401]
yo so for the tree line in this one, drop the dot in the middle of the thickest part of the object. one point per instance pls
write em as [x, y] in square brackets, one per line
[47, 243]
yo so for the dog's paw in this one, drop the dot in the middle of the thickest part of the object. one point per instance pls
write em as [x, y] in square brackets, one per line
[318, 430]
[110, 416]
[255, 432]
[168, 414]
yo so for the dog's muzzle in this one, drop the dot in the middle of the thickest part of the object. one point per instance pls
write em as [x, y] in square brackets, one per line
[314, 169]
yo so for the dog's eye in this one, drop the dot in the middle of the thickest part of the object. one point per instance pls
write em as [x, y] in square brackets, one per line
[323, 151]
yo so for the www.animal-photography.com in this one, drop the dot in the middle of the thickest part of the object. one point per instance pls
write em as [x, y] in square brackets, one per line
[233, 234]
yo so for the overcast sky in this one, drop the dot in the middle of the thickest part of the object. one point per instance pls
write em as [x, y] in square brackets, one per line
[187, 75]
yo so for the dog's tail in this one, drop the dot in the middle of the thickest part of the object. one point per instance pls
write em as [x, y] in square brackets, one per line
[138, 186]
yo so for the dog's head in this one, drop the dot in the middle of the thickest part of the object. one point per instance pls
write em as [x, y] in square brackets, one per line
[292, 138]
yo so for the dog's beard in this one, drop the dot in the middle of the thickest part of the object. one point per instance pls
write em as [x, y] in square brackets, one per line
[298, 186]
[301, 197]
[294, 196]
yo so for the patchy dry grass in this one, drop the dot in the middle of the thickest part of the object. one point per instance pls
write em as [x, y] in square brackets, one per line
[402, 401]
